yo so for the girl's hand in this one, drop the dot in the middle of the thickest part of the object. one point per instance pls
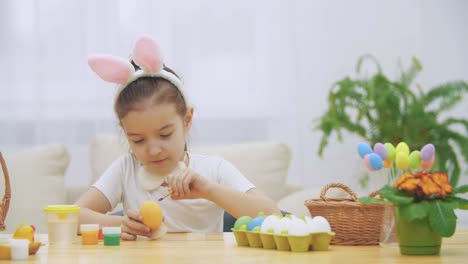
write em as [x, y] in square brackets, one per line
[132, 226]
[187, 184]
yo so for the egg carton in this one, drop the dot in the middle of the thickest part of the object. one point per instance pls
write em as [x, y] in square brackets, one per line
[282, 242]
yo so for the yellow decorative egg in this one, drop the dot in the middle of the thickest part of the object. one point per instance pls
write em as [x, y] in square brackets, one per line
[152, 214]
[25, 232]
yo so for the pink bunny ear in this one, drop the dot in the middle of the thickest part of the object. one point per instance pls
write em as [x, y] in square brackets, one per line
[147, 55]
[110, 68]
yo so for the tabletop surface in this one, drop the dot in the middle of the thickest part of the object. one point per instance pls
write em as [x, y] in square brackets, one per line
[222, 248]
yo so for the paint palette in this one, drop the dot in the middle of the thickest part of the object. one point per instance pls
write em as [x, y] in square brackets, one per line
[289, 233]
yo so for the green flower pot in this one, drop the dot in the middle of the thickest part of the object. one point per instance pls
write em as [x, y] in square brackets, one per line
[416, 237]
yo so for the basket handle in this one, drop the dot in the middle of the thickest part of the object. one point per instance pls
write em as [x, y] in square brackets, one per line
[5, 202]
[337, 185]
[374, 193]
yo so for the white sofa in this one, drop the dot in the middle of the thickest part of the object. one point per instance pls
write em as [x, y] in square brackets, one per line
[37, 179]
[37, 175]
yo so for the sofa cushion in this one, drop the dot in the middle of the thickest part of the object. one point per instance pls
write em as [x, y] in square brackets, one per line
[265, 164]
[105, 148]
[37, 180]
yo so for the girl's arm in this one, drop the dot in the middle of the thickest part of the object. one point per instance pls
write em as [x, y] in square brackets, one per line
[240, 204]
[187, 184]
[94, 206]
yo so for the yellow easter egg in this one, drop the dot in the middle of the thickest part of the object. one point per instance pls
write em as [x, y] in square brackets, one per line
[24, 232]
[402, 147]
[401, 160]
[152, 214]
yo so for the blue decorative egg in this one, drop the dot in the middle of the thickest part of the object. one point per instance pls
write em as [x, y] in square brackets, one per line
[257, 221]
[364, 149]
[375, 161]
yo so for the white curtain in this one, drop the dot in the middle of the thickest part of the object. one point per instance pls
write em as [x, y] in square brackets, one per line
[50, 94]
[255, 70]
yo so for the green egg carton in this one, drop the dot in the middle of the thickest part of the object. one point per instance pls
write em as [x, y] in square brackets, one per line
[299, 243]
[320, 241]
[254, 238]
[241, 236]
[283, 241]
[268, 240]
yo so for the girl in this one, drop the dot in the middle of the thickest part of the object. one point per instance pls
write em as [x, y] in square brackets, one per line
[153, 112]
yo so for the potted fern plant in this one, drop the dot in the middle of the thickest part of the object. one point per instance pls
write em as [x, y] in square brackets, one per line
[424, 202]
[382, 110]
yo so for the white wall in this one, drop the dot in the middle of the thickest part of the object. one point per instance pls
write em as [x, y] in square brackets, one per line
[326, 41]
[262, 67]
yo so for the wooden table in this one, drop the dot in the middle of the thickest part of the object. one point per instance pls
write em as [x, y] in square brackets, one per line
[222, 248]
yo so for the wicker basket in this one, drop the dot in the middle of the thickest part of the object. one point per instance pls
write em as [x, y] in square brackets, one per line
[353, 222]
[5, 203]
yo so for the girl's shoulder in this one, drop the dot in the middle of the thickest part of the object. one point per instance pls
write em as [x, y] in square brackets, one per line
[202, 162]
[202, 159]
[216, 168]
[127, 157]
[205, 162]
[126, 161]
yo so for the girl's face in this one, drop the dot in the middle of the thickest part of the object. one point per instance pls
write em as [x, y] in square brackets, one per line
[156, 135]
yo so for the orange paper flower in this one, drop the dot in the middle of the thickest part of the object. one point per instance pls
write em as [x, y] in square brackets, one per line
[429, 184]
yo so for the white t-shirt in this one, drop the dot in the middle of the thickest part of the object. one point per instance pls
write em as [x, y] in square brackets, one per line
[120, 183]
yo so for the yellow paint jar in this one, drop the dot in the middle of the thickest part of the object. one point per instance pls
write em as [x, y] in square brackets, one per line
[5, 249]
[89, 234]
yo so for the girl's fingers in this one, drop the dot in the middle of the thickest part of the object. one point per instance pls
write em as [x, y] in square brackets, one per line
[127, 236]
[132, 229]
[180, 183]
[172, 182]
[186, 182]
[132, 214]
[132, 225]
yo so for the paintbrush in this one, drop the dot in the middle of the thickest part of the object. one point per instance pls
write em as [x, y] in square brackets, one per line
[169, 192]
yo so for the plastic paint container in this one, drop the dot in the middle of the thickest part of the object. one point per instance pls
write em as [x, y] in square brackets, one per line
[62, 223]
[89, 234]
[100, 235]
[19, 249]
[111, 236]
[5, 249]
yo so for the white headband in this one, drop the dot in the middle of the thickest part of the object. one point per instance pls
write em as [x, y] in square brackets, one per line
[146, 54]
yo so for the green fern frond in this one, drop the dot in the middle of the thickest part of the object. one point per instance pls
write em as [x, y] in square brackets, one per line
[449, 94]
[456, 121]
[364, 58]
[408, 76]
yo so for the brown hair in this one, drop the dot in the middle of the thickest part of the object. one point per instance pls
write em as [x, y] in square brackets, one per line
[155, 89]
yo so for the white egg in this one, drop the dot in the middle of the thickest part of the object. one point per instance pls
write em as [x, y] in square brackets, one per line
[319, 225]
[292, 217]
[308, 220]
[282, 225]
[269, 223]
[298, 227]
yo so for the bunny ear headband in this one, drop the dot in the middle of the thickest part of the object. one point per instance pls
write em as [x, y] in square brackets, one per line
[146, 55]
